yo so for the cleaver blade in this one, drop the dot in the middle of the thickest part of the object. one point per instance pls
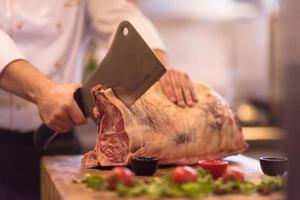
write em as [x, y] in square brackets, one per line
[130, 68]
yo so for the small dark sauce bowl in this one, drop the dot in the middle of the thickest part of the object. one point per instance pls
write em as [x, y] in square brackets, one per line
[273, 166]
[144, 166]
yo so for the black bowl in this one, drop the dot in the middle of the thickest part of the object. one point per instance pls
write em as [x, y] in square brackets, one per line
[273, 166]
[144, 166]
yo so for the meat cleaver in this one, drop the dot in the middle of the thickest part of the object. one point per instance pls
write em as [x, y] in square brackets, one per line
[130, 68]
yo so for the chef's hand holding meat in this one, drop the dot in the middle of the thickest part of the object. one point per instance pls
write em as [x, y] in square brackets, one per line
[178, 88]
[56, 105]
[176, 85]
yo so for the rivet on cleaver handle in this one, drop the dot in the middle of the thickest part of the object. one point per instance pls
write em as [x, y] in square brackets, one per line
[44, 135]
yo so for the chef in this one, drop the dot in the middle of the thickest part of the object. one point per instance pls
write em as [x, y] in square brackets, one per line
[42, 45]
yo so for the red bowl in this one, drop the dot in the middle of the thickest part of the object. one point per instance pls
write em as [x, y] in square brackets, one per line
[215, 167]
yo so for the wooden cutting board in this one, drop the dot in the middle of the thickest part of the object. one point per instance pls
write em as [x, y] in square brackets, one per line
[58, 173]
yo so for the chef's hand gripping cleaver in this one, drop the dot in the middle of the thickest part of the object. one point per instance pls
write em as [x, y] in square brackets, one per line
[130, 68]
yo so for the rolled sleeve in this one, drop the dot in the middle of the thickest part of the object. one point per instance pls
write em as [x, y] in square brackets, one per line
[105, 16]
[8, 51]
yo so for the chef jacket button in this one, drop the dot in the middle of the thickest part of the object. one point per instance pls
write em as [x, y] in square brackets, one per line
[57, 65]
[19, 25]
[4, 102]
[18, 106]
[59, 25]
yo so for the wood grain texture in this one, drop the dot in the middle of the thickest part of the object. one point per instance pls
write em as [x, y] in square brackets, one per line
[58, 173]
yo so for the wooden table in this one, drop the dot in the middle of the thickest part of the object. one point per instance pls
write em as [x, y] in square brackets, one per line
[58, 173]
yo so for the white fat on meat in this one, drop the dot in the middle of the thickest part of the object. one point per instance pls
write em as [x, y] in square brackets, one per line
[154, 126]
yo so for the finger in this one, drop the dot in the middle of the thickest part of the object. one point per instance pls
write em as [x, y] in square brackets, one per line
[187, 93]
[76, 114]
[66, 119]
[167, 88]
[191, 87]
[193, 92]
[188, 97]
[175, 79]
[59, 120]
[59, 127]
[64, 125]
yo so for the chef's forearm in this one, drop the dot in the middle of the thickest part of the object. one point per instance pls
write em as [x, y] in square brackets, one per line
[22, 79]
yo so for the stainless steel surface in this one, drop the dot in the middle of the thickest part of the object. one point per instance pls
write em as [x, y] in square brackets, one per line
[130, 68]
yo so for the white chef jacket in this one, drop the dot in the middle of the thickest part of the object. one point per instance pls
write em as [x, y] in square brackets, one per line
[51, 34]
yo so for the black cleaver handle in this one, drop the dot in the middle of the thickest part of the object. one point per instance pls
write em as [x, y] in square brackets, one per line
[44, 135]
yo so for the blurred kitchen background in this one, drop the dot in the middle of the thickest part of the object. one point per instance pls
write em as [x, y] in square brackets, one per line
[230, 44]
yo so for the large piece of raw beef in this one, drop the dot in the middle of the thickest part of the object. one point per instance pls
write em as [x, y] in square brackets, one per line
[154, 126]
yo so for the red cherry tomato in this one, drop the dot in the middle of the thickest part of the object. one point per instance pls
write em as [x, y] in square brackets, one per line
[233, 175]
[184, 174]
[120, 175]
[215, 167]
